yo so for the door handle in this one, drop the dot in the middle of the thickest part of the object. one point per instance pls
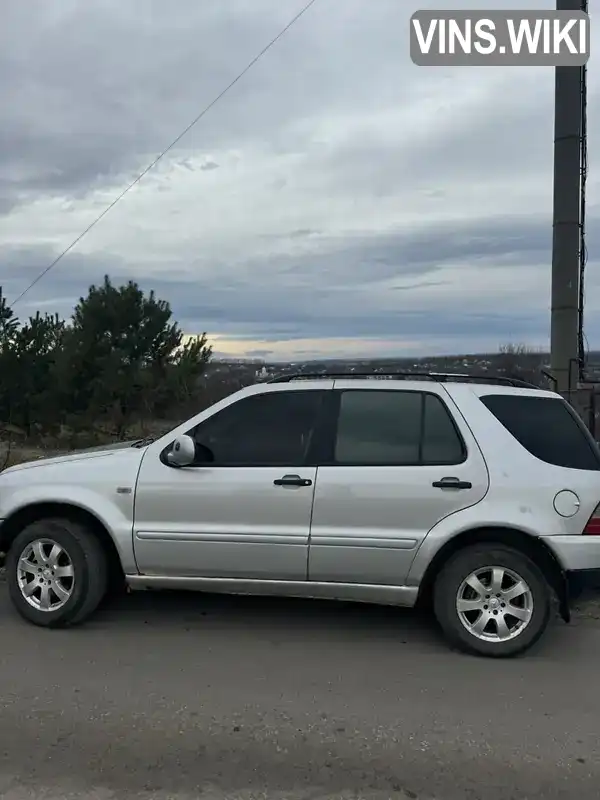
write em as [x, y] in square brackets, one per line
[452, 483]
[292, 480]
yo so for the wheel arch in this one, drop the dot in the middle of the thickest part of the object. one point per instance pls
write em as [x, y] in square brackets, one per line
[529, 545]
[19, 519]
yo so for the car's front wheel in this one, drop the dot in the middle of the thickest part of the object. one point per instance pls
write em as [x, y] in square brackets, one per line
[57, 572]
[492, 600]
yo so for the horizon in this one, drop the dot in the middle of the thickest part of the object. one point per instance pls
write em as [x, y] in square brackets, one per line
[374, 360]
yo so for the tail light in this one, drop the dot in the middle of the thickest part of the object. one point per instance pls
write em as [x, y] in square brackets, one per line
[593, 524]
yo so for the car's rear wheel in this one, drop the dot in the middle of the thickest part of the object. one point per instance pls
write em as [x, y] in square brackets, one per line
[492, 600]
[57, 572]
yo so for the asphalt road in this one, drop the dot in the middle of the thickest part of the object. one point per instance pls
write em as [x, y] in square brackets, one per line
[169, 696]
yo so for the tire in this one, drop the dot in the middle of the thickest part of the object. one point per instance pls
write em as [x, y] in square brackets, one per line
[533, 607]
[80, 571]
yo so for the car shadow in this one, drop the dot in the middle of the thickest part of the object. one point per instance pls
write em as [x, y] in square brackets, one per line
[284, 621]
[188, 610]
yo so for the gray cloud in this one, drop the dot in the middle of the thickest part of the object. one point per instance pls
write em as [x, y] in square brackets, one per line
[333, 295]
[92, 91]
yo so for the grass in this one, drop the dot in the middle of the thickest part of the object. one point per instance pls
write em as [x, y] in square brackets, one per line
[21, 454]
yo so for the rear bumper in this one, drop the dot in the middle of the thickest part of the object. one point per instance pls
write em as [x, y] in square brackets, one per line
[575, 553]
[581, 581]
[579, 558]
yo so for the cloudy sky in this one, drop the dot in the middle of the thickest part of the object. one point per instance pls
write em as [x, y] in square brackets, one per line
[338, 201]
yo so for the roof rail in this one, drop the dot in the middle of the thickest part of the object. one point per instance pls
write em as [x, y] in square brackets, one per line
[440, 377]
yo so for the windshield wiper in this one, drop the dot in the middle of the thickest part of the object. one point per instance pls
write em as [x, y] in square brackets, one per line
[143, 442]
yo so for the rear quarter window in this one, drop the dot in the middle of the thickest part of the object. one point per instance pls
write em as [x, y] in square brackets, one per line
[548, 428]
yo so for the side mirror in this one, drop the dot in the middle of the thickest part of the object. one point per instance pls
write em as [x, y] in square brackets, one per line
[183, 452]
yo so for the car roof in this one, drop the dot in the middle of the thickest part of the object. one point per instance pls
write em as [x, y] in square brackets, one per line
[406, 375]
[375, 382]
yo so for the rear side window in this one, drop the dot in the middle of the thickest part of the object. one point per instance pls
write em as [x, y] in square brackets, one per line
[547, 428]
[396, 428]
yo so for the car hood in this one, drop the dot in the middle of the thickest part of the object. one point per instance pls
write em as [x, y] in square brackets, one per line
[103, 451]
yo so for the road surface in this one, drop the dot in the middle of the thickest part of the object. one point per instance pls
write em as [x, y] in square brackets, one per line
[179, 697]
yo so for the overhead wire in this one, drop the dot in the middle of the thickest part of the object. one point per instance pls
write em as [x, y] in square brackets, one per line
[161, 155]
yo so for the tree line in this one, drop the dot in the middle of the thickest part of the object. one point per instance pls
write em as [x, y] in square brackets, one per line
[120, 368]
[119, 363]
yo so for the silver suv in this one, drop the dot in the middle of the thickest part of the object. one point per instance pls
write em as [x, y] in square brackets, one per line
[477, 495]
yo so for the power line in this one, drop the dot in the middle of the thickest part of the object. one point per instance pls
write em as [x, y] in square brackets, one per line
[150, 166]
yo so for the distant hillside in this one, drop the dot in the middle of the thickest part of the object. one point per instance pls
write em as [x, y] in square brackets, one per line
[511, 361]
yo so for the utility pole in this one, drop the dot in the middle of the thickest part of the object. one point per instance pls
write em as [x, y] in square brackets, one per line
[564, 325]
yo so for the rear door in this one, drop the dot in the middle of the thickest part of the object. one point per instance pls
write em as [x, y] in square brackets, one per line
[400, 461]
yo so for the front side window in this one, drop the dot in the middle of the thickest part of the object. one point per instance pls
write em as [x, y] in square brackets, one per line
[271, 429]
[402, 428]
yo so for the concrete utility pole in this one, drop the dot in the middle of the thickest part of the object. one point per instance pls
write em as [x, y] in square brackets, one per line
[564, 326]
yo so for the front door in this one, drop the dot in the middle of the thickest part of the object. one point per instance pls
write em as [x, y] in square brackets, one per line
[246, 514]
[383, 489]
